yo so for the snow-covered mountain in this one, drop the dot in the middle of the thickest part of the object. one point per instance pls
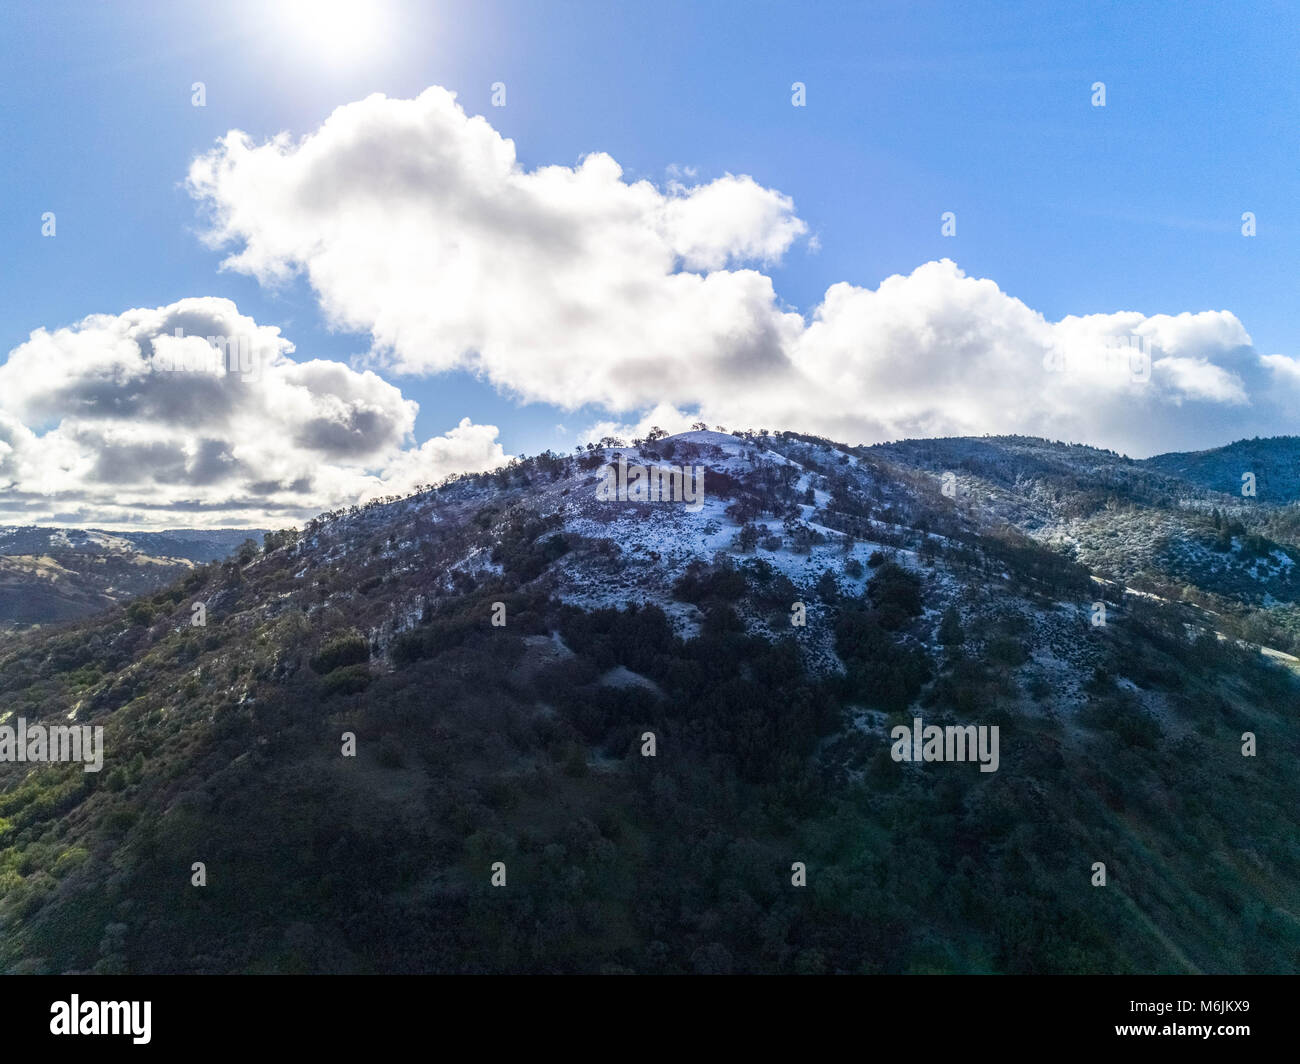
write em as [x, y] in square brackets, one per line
[649, 711]
[814, 506]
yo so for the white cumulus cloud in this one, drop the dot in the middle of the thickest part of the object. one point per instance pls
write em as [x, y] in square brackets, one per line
[569, 284]
[194, 412]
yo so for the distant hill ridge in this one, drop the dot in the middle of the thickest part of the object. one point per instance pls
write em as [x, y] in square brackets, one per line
[194, 544]
[50, 574]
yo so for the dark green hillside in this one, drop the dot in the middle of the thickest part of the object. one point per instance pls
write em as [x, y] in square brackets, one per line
[523, 743]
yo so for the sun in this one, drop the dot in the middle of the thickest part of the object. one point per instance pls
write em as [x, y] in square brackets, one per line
[337, 31]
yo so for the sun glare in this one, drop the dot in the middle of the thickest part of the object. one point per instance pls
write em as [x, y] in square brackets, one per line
[338, 31]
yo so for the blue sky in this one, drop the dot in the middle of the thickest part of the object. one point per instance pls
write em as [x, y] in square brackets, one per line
[912, 110]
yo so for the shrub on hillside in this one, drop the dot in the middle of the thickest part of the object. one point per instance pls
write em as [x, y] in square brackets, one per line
[348, 680]
[343, 650]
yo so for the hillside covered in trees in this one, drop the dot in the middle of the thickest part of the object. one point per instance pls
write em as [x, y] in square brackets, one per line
[508, 725]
